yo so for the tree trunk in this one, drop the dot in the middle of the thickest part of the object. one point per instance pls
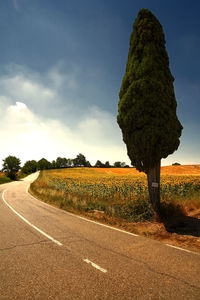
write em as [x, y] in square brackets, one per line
[153, 177]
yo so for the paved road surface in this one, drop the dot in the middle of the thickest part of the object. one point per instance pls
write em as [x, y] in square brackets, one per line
[72, 258]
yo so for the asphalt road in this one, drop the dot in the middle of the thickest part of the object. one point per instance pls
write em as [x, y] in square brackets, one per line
[47, 253]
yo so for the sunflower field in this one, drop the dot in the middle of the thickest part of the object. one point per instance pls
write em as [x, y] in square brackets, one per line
[116, 192]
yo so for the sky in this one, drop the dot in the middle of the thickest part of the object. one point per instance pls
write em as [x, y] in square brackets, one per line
[61, 68]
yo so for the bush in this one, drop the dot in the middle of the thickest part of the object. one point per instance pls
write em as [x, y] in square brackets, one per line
[4, 179]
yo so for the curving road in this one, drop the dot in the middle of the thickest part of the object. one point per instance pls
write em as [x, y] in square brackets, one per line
[47, 253]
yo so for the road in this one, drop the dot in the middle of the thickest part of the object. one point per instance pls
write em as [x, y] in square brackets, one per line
[47, 253]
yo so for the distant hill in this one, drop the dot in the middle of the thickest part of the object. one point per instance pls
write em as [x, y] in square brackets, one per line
[181, 170]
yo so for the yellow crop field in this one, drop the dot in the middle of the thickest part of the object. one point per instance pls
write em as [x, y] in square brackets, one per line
[118, 192]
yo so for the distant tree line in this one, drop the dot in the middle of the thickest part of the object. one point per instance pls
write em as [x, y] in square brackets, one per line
[12, 164]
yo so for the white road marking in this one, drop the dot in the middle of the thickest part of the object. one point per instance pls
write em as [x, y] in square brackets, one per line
[94, 265]
[180, 248]
[29, 223]
[82, 218]
[104, 225]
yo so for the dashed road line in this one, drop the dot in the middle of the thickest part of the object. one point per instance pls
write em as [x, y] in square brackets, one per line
[29, 223]
[95, 265]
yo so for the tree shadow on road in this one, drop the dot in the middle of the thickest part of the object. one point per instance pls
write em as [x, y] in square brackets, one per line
[183, 225]
[176, 220]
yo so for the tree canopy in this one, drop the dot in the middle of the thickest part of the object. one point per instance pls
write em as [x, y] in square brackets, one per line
[43, 164]
[80, 161]
[29, 167]
[147, 106]
[11, 166]
[61, 162]
[99, 164]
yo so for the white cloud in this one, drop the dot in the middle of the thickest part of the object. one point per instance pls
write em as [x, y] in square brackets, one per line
[30, 132]
[19, 86]
[50, 94]
[26, 136]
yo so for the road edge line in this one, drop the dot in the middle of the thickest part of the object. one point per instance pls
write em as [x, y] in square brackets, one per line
[29, 223]
[83, 218]
[107, 226]
[179, 248]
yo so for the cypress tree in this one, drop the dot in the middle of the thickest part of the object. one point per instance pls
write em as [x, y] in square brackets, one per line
[147, 105]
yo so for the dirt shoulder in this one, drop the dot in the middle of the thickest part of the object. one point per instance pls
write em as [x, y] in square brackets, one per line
[182, 232]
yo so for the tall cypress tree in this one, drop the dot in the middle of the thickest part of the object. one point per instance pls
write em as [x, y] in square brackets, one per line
[147, 105]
